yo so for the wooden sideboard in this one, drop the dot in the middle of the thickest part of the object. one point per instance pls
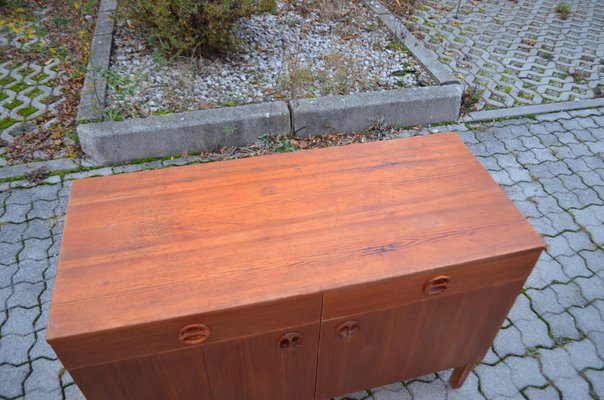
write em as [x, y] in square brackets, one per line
[294, 276]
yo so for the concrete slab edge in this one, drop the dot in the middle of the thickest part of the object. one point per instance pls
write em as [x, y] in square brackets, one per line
[206, 130]
[19, 170]
[94, 90]
[522, 111]
[426, 57]
[358, 112]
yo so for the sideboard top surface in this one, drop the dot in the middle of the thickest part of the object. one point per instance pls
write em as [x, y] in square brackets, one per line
[154, 245]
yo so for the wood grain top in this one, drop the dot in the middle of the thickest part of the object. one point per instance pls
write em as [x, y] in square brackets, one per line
[168, 243]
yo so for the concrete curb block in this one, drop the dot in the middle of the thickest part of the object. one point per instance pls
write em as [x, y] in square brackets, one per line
[104, 24]
[120, 141]
[108, 5]
[94, 90]
[357, 112]
[426, 57]
[515, 112]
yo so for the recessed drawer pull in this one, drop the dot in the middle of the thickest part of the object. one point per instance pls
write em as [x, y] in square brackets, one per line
[348, 329]
[436, 285]
[290, 341]
[194, 334]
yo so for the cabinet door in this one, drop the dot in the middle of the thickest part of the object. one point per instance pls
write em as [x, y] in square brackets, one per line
[277, 365]
[372, 349]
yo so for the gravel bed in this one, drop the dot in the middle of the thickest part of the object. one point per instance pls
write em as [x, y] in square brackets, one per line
[305, 49]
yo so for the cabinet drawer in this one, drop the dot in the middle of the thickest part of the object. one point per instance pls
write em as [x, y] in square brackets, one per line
[185, 332]
[440, 282]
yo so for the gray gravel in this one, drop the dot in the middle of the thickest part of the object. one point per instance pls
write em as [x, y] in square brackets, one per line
[306, 50]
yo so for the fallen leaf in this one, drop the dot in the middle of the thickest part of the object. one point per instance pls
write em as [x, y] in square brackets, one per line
[456, 23]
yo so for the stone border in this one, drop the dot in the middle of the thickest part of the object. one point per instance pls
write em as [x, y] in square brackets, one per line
[19, 170]
[94, 90]
[164, 135]
[523, 111]
[172, 134]
[426, 57]
[193, 131]
[355, 113]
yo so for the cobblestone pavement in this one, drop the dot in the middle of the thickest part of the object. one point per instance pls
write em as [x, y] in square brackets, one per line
[550, 347]
[518, 52]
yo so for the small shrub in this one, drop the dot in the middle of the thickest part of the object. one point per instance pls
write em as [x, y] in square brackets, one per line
[344, 74]
[563, 10]
[296, 80]
[187, 27]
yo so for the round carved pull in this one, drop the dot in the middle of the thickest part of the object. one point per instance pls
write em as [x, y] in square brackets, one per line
[348, 329]
[194, 334]
[290, 341]
[436, 285]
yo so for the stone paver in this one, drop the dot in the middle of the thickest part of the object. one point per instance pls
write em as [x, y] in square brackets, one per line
[518, 52]
[551, 346]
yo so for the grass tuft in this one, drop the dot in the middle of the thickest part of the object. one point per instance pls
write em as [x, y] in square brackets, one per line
[563, 10]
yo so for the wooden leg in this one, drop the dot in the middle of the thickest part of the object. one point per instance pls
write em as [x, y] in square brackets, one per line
[459, 375]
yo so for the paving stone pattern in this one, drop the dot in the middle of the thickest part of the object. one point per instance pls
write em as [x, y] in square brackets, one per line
[550, 347]
[28, 90]
[519, 52]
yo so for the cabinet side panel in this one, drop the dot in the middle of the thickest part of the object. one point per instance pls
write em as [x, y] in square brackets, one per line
[254, 367]
[412, 340]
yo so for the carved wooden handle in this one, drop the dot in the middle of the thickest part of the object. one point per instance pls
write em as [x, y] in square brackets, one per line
[290, 341]
[436, 285]
[348, 329]
[194, 334]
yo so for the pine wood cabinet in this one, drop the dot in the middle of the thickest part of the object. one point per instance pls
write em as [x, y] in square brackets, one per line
[296, 276]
